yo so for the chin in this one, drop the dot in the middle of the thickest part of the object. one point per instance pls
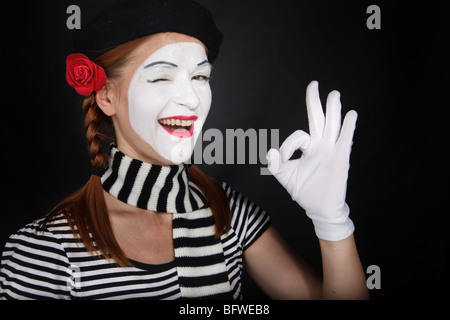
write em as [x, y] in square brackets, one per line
[177, 153]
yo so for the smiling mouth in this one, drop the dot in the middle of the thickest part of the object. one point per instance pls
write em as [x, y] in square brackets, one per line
[179, 126]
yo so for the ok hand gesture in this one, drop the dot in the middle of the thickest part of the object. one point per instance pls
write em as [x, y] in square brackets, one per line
[318, 180]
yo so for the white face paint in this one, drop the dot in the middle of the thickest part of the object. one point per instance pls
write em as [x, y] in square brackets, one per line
[169, 98]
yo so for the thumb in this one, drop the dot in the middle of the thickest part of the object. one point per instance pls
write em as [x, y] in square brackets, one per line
[274, 161]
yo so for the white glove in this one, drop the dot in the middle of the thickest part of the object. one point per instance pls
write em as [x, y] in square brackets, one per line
[318, 180]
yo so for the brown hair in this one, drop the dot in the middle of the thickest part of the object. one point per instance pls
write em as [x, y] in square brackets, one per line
[85, 209]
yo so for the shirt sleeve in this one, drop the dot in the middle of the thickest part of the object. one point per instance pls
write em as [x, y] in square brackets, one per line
[34, 265]
[249, 221]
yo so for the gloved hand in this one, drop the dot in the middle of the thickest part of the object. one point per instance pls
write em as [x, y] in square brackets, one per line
[318, 180]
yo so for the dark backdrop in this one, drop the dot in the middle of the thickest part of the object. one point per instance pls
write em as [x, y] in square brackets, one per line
[396, 78]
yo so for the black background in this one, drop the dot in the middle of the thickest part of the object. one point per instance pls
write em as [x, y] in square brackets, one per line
[396, 78]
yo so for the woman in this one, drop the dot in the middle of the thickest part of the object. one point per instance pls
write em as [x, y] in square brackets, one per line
[147, 226]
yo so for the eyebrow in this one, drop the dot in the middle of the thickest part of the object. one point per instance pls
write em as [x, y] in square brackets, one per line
[160, 62]
[203, 62]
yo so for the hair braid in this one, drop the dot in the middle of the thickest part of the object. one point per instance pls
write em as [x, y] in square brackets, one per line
[93, 123]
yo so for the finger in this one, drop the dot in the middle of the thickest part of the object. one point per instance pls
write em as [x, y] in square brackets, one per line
[333, 116]
[273, 161]
[348, 128]
[316, 118]
[297, 140]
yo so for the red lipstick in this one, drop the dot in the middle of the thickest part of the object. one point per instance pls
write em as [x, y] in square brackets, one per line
[179, 126]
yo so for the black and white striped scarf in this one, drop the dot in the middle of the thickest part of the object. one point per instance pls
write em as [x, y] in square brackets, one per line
[198, 253]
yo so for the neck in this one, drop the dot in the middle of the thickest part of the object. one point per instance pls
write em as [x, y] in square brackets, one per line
[150, 157]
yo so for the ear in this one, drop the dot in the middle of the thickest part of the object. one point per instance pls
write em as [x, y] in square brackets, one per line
[105, 99]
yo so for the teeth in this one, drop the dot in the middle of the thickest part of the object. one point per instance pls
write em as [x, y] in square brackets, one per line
[177, 122]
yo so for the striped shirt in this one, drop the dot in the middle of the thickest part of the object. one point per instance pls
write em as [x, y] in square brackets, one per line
[53, 264]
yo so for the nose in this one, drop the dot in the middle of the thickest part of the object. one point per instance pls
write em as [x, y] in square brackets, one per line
[187, 96]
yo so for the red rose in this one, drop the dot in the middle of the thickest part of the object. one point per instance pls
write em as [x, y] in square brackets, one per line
[84, 75]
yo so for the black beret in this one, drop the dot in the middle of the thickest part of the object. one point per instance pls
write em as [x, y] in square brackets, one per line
[132, 19]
